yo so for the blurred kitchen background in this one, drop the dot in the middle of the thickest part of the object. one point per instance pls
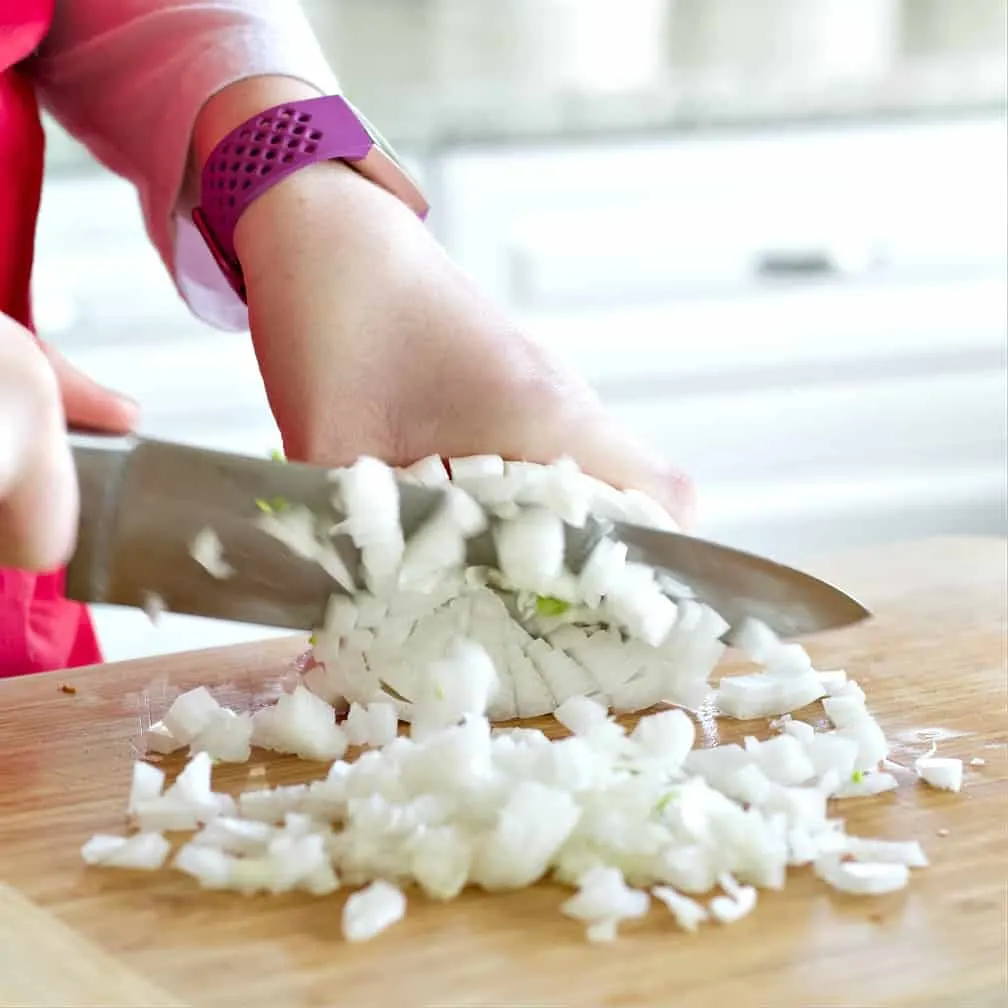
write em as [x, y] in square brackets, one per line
[773, 232]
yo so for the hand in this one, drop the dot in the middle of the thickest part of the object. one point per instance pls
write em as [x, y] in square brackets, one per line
[39, 392]
[372, 342]
[38, 485]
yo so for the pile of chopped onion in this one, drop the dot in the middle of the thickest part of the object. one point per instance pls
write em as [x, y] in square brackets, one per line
[619, 816]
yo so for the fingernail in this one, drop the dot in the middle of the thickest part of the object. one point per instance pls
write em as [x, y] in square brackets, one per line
[682, 492]
[130, 406]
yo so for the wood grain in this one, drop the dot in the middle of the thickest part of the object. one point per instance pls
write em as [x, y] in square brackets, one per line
[43, 962]
[932, 659]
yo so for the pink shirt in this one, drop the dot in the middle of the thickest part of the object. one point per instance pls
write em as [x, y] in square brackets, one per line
[128, 78]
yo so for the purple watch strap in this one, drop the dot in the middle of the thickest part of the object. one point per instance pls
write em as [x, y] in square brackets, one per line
[274, 145]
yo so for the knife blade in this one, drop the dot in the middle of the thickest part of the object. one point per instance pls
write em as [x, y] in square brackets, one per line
[144, 502]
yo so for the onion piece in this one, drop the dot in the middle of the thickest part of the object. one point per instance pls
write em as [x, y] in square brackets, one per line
[864, 785]
[460, 685]
[429, 471]
[530, 829]
[154, 607]
[148, 782]
[270, 805]
[940, 772]
[862, 879]
[800, 730]
[907, 852]
[208, 551]
[357, 724]
[756, 640]
[297, 528]
[641, 509]
[210, 866]
[834, 681]
[602, 570]
[580, 715]
[667, 735]
[141, 852]
[235, 836]
[440, 544]
[193, 784]
[604, 900]
[731, 908]
[227, 737]
[370, 497]
[189, 714]
[476, 467]
[372, 910]
[783, 759]
[305, 725]
[530, 549]
[688, 913]
[159, 740]
[758, 695]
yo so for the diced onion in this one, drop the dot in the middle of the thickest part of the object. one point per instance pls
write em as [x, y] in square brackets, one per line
[208, 551]
[189, 714]
[939, 772]
[863, 879]
[372, 910]
[141, 852]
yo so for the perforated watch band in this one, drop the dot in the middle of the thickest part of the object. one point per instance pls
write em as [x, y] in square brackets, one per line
[274, 145]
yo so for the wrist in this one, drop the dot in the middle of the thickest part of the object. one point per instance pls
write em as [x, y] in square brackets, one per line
[237, 143]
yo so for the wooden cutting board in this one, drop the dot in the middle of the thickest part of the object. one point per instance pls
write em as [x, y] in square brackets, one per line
[933, 660]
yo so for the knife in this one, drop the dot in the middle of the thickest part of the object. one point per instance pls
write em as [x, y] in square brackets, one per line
[144, 502]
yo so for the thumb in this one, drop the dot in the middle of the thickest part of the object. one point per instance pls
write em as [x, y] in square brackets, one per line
[88, 405]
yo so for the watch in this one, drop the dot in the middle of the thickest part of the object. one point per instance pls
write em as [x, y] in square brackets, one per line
[275, 144]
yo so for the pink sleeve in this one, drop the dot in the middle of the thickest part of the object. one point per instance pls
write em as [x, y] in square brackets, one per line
[128, 78]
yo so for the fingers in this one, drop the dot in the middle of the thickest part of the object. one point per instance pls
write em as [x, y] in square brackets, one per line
[87, 405]
[552, 412]
[38, 484]
[612, 455]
